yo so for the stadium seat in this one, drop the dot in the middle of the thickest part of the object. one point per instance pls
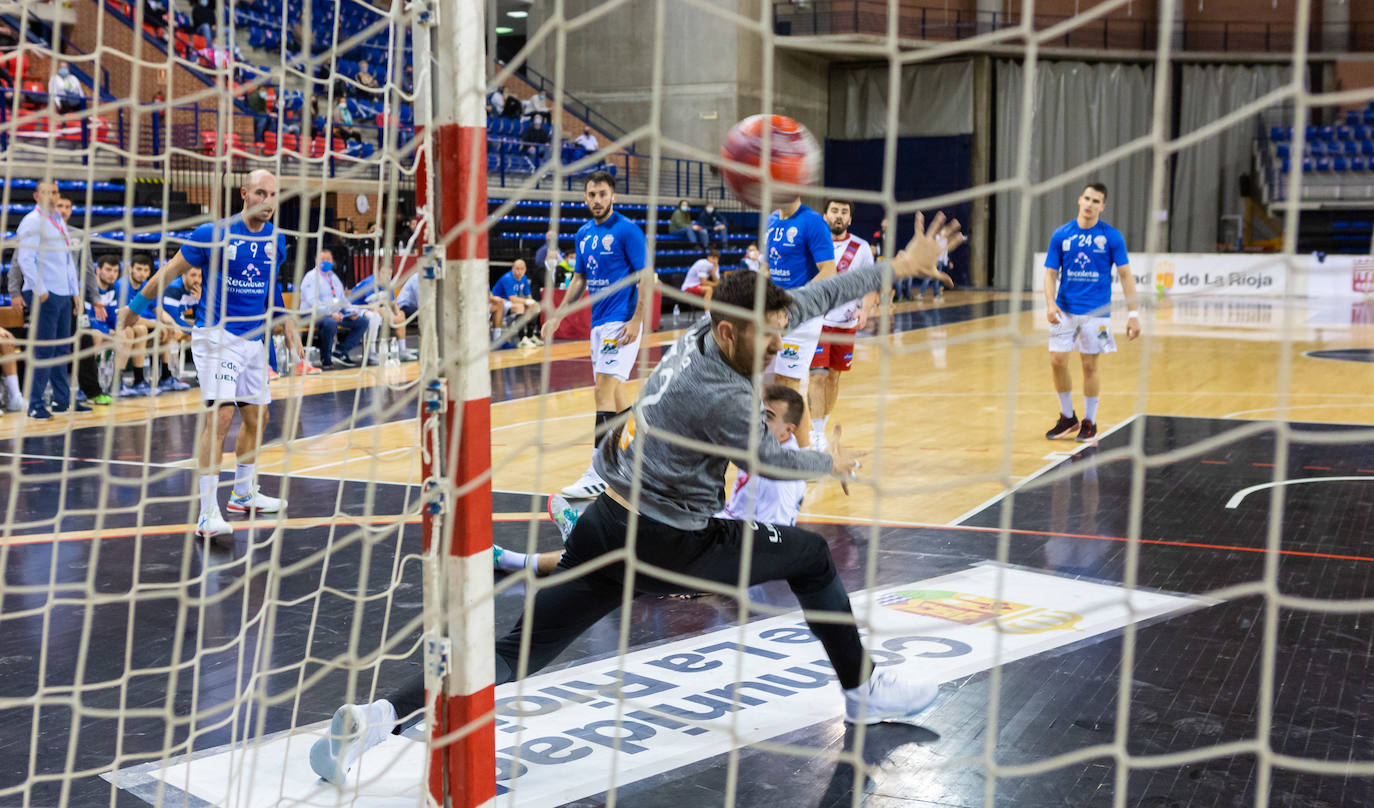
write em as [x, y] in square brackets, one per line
[1338, 164]
[1276, 133]
[1343, 133]
[1327, 133]
[1321, 164]
[1352, 117]
[1367, 148]
[1280, 150]
[1310, 132]
[1357, 164]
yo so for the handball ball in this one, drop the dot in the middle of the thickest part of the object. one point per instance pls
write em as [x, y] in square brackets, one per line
[794, 157]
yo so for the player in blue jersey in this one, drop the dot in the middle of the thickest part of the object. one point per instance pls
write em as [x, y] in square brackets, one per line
[513, 290]
[239, 258]
[1078, 304]
[610, 249]
[798, 249]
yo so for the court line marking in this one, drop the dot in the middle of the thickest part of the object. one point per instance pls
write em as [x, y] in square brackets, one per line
[1045, 469]
[1291, 407]
[1244, 492]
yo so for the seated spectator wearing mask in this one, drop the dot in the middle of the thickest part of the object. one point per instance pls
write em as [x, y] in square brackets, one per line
[587, 141]
[680, 224]
[203, 19]
[65, 90]
[712, 225]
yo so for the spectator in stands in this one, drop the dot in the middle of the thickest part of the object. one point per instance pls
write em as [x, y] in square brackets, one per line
[712, 224]
[323, 299]
[155, 13]
[496, 101]
[204, 20]
[546, 259]
[159, 97]
[514, 109]
[14, 398]
[537, 139]
[537, 106]
[680, 224]
[752, 257]
[64, 90]
[50, 292]
[257, 102]
[343, 122]
[587, 141]
[366, 79]
[514, 290]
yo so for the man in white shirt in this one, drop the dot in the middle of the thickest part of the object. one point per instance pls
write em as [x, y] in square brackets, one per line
[703, 276]
[50, 292]
[587, 140]
[835, 352]
[65, 90]
[324, 299]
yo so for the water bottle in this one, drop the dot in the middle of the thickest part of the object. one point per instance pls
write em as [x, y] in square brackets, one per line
[677, 312]
[393, 353]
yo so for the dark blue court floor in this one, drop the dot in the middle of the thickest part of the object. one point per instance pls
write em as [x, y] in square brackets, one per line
[1195, 683]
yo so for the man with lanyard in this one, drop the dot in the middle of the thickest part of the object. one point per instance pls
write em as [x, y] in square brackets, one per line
[609, 249]
[239, 258]
[843, 322]
[50, 290]
[323, 299]
[799, 251]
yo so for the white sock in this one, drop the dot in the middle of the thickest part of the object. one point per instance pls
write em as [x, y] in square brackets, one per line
[1090, 408]
[1066, 404]
[511, 561]
[532, 561]
[12, 385]
[243, 479]
[818, 424]
[208, 503]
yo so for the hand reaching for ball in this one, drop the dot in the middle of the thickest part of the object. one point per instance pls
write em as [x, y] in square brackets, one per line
[921, 253]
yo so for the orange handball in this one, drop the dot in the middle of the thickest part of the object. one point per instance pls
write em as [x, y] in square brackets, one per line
[794, 156]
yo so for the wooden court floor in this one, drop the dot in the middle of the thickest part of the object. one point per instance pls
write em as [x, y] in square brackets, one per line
[952, 410]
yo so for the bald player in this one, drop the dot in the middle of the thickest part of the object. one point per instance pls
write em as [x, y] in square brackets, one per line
[239, 258]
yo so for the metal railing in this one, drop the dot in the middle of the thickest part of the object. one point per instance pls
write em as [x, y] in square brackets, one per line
[572, 104]
[914, 21]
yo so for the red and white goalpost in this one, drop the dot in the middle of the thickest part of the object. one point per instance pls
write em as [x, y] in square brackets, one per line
[456, 415]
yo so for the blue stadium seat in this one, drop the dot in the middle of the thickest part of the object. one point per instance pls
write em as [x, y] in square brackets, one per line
[1276, 133]
[1316, 148]
[1352, 117]
[1322, 164]
[1343, 133]
[1367, 148]
[1357, 164]
[1327, 133]
[1280, 149]
[1338, 164]
[1307, 165]
[1311, 133]
[1359, 132]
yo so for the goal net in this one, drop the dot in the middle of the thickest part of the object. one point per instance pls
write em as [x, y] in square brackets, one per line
[144, 662]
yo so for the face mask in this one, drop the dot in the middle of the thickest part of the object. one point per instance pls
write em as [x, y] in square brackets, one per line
[64, 72]
[326, 266]
[683, 207]
[710, 209]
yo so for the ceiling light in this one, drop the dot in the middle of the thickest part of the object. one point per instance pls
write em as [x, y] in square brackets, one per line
[519, 15]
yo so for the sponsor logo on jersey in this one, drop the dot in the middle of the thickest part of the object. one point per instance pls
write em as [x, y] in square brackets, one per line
[270, 249]
[606, 241]
[790, 352]
[1083, 261]
[1100, 242]
[791, 234]
[1066, 245]
[609, 347]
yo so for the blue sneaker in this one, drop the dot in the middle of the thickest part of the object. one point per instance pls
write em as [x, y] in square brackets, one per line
[135, 391]
[172, 384]
[40, 413]
[496, 552]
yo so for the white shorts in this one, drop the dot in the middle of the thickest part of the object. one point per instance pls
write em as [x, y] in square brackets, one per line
[798, 349]
[610, 358]
[1085, 333]
[230, 368]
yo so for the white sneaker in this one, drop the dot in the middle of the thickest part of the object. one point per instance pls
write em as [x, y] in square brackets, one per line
[353, 730]
[818, 442]
[16, 404]
[563, 514]
[212, 524]
[887, 697]
[588, 486]
[256, 501]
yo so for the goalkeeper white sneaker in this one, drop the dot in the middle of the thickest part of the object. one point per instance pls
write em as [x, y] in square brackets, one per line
[212, 524]
[588, 486]
[256, 501]
[354, 729]
[563, 514]
[887, 697]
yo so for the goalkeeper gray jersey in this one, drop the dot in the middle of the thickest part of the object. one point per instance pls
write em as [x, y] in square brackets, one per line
[694, 394]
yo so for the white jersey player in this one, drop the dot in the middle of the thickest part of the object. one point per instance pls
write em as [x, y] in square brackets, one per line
[835, 351]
